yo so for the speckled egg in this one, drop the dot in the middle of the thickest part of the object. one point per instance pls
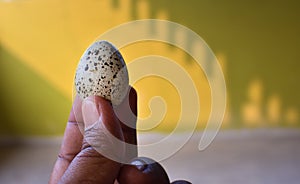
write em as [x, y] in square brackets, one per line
[102, 71]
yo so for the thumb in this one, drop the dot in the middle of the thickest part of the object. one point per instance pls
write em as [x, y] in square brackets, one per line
[102, 128]
[90, 112]
[98, 160]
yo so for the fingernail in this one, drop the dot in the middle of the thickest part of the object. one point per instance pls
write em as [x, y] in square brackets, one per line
[89, 112]
[139, 164]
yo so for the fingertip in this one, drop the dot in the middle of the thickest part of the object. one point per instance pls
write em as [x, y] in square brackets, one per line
[101, 100]
[133, 100]
[143, 170]
[104, 105]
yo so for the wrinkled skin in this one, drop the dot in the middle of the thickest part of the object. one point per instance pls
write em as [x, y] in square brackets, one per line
[80, 162]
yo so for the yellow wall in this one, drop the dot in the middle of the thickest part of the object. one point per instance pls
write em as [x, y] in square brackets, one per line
[49, 36]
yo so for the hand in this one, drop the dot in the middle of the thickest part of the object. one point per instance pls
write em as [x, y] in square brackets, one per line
[86, 137]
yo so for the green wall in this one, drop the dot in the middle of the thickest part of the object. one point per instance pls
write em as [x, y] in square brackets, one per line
[28, 104]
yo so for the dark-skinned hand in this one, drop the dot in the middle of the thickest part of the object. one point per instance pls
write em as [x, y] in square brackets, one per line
[79, 159]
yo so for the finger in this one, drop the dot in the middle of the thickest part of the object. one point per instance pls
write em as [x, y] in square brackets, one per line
[126, 112]
[127, 115]
[96, 162]
[71, 144]
[143, 170]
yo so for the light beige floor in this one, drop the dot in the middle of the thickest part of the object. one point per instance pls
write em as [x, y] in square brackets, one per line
[244, 156]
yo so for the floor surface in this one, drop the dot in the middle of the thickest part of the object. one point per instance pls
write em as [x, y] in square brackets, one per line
[234, 157]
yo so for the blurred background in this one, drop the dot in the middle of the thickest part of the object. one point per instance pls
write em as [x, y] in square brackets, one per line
[257, 45]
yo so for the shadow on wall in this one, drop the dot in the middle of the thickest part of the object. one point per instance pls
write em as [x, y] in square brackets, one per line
[28, 105]
[263, 110]
[262, 90]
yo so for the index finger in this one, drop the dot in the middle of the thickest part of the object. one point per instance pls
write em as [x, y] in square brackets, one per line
[126, 112]
[72, 142]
